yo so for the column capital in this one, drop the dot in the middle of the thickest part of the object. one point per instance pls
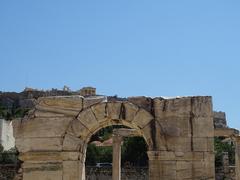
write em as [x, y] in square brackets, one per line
[117, 138]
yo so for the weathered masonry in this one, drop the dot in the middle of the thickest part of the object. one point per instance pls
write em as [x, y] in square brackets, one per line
[179, 132]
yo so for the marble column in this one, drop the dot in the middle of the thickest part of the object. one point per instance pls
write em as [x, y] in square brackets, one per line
[116, 169]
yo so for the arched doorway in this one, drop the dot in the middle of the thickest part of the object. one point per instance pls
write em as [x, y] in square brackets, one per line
[99, 116]
[116, 152]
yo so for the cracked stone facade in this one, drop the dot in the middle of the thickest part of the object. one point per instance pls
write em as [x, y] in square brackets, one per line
[52, 139]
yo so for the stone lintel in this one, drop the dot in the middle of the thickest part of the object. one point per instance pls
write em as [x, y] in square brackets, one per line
[225, 132]
[124, 132]
[57, 110]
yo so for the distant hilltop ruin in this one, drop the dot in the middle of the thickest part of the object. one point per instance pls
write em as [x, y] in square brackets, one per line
[85, 91]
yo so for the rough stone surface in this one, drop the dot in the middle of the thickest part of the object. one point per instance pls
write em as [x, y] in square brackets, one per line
[179, 132]
[72, 143]
[88, 119]
[42, 127]
[219, 119]
[42, 171]
[87, 102]
[70, 170]
[39, 144]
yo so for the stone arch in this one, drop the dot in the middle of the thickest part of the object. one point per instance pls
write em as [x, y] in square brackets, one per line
[101, 115]
[92, 119]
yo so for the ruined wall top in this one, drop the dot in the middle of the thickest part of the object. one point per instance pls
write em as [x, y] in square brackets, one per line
[219, 119]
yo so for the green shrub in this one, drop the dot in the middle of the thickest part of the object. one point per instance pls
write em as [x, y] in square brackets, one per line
[221, 147]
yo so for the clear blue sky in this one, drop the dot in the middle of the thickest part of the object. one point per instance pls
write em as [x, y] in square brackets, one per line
[127, 47]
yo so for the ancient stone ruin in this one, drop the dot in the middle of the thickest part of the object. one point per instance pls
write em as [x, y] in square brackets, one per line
[52, 139]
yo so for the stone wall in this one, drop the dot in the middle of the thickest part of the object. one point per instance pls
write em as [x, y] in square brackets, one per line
[179, 133]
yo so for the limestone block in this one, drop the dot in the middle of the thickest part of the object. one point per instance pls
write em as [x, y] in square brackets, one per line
[175, 126]
[70, 156]
[198, 170]
[147, 135]
[100, 111]
[154, 173]
[175, 156]
[39, 144]
[130, 111]
[125, 132]
[40, 156]
[70, 170]
[202, 127]
[49, 156]
[41, 127]
[40, 171]
[184, 170]
[142, 102]
[202, 106]
[184, 174]
[77, 129]
[156, 133]
[161, 155]
[197, 156]
[17, 128]
[171, 130]
[45, 114]
[181, 165]
[169, 169]
[182, 144]
[172, 107]
[72, 143]
[114, 110]
[62, 102]
[88, 119]
[142, 118]
[209, 171]
[209, 165]
[66, 112]
[206, 167]
[203, 144]
[89, 101]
